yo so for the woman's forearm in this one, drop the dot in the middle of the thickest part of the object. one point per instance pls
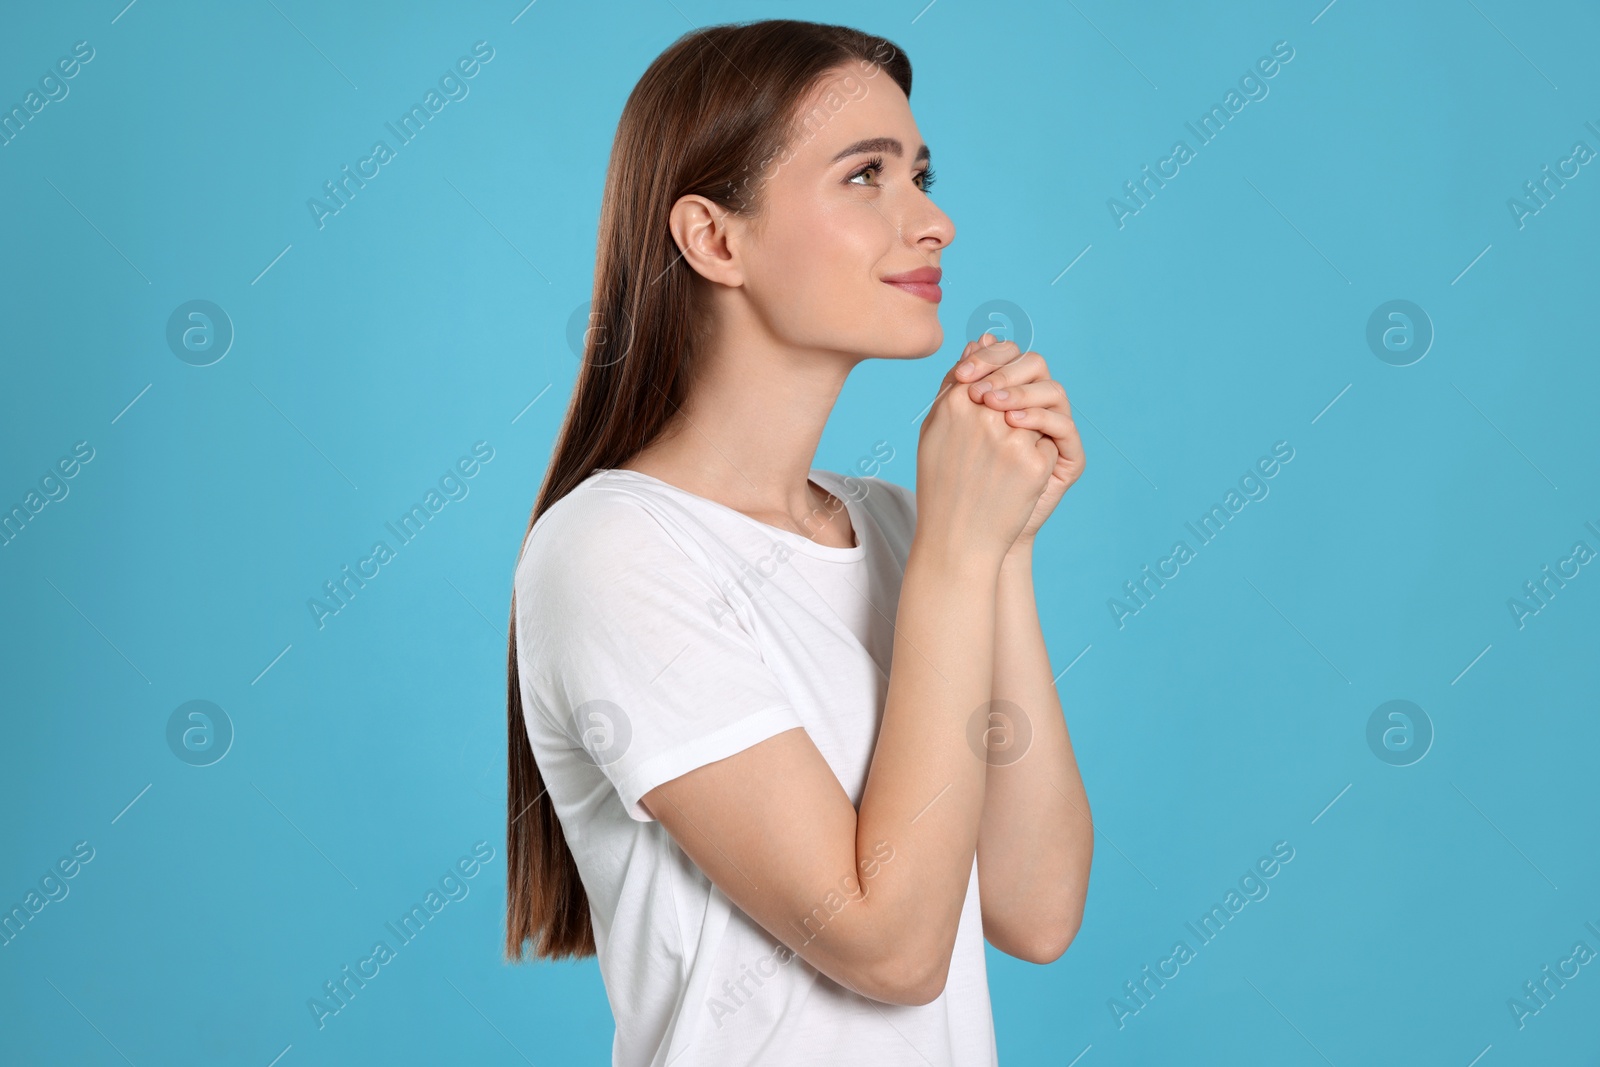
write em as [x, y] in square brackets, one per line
[925, 790]
[1035, 837]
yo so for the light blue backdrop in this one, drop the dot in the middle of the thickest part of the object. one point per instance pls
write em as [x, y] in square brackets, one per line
[361, 359]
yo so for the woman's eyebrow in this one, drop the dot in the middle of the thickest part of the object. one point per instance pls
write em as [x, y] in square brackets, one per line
[882, 144]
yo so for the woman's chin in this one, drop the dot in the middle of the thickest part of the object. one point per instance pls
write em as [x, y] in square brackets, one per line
[915, 340]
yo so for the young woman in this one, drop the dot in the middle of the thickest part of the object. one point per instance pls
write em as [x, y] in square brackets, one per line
[784, 745]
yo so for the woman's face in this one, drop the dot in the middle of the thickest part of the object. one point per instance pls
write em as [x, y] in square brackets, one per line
[845, 206]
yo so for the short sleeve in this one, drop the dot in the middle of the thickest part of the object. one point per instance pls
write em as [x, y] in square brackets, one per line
[896, 509]
[631, 650]
[905, 499]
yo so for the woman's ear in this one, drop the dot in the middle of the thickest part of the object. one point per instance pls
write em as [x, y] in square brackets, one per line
[705, 234]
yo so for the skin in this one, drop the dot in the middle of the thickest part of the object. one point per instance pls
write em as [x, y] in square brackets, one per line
[795, 302]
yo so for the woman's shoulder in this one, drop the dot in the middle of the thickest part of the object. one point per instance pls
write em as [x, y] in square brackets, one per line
[602, 525]
[888, 502]
[877, 493]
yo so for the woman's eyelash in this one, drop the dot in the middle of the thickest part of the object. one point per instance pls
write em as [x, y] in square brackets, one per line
[876, 164]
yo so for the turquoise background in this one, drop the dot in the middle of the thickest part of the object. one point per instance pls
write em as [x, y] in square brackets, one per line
[1230, 713]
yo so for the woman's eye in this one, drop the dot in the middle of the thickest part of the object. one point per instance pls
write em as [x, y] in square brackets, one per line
[922, 179]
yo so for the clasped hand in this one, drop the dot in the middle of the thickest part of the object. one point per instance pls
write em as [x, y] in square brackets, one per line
[999, 375]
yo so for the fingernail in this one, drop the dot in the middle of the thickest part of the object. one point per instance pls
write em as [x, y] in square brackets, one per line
[1000, 394]
[983, 387]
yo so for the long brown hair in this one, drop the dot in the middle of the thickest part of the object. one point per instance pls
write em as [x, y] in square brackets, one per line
[709, 117]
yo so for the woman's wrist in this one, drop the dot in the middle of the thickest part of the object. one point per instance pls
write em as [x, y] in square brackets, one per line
[1020, 555]
[954, 556]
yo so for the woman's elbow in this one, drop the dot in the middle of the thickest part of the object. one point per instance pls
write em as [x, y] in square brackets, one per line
[912, 987]
[1050, 943]
[904, 978]
[1041, 941]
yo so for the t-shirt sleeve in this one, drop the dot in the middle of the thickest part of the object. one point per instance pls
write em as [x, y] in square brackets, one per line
[635, 655]
[901, 506]
[908, 498]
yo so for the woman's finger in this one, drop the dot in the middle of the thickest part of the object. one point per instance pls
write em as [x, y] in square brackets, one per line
[983, 356]
[951, 375]
[1027, 367]
[979, 357]
[1048, 393]
[1053, 424]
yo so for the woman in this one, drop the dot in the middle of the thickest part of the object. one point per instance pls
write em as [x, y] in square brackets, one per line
[713, 768]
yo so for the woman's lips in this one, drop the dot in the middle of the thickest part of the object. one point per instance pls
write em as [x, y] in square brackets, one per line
[923, 282]
[926, 290]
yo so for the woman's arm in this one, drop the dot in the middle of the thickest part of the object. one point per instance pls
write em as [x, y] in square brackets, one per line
[873, 897]
[1036, 838]
[773, 828]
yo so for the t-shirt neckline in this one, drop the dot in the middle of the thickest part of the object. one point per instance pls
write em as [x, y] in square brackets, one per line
[824, 478]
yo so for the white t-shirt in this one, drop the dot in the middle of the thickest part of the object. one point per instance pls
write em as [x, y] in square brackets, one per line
[666, 631]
